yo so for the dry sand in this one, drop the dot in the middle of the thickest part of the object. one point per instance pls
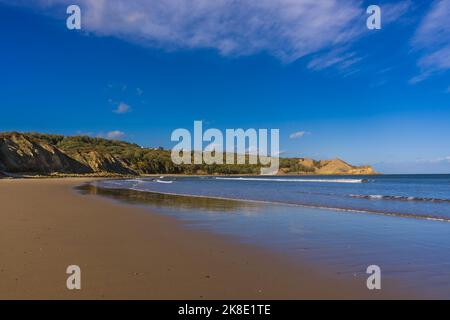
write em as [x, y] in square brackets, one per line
[130, 253]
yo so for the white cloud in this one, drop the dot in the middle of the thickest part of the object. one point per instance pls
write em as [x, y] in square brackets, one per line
[286, 29]
[432, 38]
[298, 134]
[115, 135]
[122, 108]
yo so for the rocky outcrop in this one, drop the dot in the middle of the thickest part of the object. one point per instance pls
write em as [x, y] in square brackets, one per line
[334, 166]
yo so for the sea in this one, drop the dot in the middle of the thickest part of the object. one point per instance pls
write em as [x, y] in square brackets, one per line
[400, 223]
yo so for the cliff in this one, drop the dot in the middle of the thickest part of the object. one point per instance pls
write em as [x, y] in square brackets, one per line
[19, 153]
[335, 166]
[45, 154]
[31, 154]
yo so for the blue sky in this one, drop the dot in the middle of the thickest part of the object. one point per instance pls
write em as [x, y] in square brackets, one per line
[138, 69]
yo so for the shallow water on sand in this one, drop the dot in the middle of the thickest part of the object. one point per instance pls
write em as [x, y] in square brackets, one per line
[414, 253]
[425, 196]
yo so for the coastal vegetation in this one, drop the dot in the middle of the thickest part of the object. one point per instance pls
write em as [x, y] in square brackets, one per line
[37, 153]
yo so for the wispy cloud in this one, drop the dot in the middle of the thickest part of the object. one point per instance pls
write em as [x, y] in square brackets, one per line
[338, 57]
[432, 40]
[343, 57]
[122, 108]
[426, 166]
[298, 134]
[286, 29]
[391, 12]
[115, 135]
[435, 160]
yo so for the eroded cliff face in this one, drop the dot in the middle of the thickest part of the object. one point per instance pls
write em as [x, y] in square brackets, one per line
[20, 153]
[103, 163]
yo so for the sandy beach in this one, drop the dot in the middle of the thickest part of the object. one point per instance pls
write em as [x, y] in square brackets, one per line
[130, 253]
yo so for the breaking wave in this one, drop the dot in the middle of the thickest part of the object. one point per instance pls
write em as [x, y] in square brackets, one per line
[397, 198]
[296, 180]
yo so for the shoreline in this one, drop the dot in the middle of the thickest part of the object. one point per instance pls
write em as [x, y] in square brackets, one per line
[106, 175]
[356, 211]
[126, 252]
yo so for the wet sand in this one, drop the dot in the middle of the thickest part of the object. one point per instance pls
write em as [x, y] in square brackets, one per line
[126, 252]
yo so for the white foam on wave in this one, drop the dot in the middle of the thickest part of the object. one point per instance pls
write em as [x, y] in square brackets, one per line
[135, 180]
[396, 197]
[162, 181]
[294, 180]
